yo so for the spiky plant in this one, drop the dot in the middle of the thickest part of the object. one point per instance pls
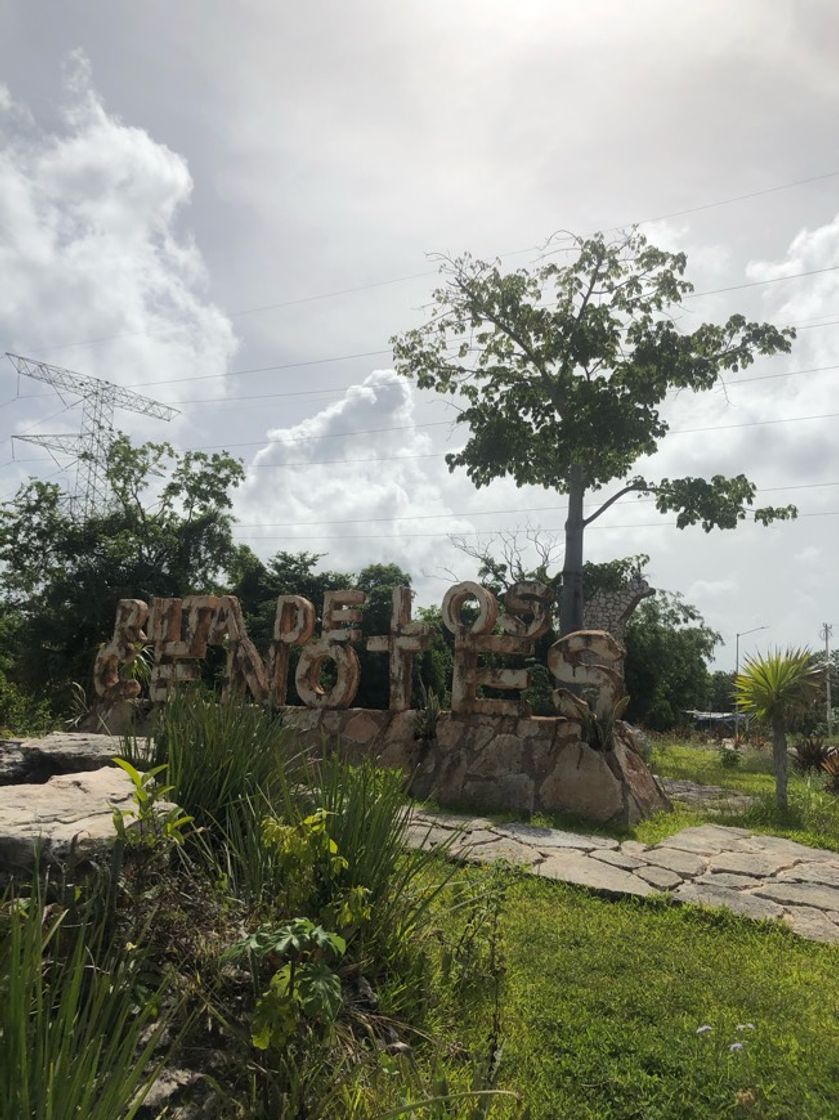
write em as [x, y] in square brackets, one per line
[774, 688]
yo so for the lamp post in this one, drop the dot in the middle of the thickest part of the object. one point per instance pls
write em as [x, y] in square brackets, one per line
[737, 638]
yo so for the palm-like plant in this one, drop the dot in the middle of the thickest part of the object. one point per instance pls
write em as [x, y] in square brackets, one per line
[774, 688]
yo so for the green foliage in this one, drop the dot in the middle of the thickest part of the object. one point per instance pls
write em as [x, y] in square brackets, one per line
[74, 1040]
[668, 646]
[427, 718]
[156, 826]
[367, 821]
[720, 692]
[778, 684]
[775, 688]
[220, 757]
[166, 531]
[305, 987]
[563, 370]
[729, 759]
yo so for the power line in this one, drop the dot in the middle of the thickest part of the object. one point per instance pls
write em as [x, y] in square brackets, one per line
[489, 532]
[489, 512]
[425, 274]
[443, 423]
[265, 369]
[759, 283]
[389, 352]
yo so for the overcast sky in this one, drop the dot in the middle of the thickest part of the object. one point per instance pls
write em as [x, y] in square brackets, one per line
[188, 190]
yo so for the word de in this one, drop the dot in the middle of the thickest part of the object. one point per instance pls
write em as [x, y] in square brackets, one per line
[179, 632]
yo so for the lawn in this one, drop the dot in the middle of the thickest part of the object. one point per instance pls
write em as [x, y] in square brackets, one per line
[603, 1001]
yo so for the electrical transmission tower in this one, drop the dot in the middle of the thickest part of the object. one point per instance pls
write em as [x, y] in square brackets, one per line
[90, 447]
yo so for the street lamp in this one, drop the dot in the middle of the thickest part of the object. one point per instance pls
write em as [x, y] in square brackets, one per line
[741, 634]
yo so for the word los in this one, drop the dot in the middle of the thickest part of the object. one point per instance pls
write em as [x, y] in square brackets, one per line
[179, 632]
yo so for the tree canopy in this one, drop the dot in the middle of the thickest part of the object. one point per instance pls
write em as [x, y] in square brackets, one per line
[563, 370]
[166, 530]
[668, 645]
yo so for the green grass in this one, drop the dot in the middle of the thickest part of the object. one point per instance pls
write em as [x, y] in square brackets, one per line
[704, 765]
[602, 1001]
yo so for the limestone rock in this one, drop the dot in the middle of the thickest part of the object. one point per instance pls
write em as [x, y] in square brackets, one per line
[582, 870]
[619, 859]
[582, 783]
[708, 839]
[684, 863]
[758, 864]
[546, 839]
[826, 873]
[502, 848]
[36, 760]
[69, 811]
[813, 924]
[659, 877]
[708, 894]
[800, 894]
[727, 879]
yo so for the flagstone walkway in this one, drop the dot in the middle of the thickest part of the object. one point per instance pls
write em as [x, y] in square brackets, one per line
[748, 873]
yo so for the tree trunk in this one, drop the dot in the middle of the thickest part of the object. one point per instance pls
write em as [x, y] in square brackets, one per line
[780, 760]
[571, 602]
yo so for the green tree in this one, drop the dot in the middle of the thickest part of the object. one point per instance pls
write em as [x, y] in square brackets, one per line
[166, 530]
[776, 688]
[668, 645]
[563, 370]
[720, 692]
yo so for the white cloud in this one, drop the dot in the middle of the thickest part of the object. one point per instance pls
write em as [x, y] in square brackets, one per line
[355, 497]
[92, 248]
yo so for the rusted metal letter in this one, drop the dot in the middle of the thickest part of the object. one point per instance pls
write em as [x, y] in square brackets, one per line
[127, 640]
[307, 674]
[405, 639]
[340, 612]
[472, 638]
[585, 660]
[294, 624]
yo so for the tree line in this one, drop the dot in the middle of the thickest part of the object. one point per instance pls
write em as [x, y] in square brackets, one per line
[167, 531]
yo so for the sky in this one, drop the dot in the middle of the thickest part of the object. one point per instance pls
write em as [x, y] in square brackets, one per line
[230, 208]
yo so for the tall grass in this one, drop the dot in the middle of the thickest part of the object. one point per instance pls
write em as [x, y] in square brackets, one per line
[74, 1039]
[220, 756]
[368, 817]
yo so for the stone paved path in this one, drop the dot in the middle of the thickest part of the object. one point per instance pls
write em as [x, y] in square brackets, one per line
[750, 874]
[713, 800]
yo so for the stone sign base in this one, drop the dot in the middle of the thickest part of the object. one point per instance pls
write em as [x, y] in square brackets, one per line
[494, 763]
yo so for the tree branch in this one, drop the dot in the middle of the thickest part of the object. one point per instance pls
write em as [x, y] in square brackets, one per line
[632, 487]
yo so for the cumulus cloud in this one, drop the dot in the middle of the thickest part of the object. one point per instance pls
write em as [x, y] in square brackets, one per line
[92, 249]
[356, 496]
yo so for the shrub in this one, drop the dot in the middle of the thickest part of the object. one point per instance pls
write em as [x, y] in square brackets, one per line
[810, 753]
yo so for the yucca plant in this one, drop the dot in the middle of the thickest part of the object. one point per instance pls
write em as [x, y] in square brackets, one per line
[775, 688]
[75, 1037]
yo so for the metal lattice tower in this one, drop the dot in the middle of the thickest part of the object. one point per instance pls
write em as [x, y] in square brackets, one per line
[90, 447]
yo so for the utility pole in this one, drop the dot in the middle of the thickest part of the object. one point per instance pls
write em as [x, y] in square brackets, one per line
[90, 447]
[740, 634]
[825, 634]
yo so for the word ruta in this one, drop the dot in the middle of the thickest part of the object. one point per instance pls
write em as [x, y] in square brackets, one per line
[179, 632]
